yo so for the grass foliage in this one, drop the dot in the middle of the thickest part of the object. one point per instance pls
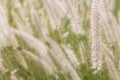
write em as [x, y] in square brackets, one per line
[51, 40]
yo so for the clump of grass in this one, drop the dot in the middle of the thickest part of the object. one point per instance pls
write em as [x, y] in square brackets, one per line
[59, 40]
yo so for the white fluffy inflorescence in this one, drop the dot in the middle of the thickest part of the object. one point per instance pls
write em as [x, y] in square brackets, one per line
[71, 56]
[3, 18]
[96, 37]
[5, 33]
[74, 17]
[62, 60]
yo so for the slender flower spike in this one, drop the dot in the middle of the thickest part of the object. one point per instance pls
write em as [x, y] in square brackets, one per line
[112, 69]
[3, 17]
[95, 37]
[74, 17]
[71, 56]
[104, 15]
[5, 33]
[62, 60]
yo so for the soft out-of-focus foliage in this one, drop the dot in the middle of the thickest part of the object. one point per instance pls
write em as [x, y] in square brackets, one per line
[59, 40]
